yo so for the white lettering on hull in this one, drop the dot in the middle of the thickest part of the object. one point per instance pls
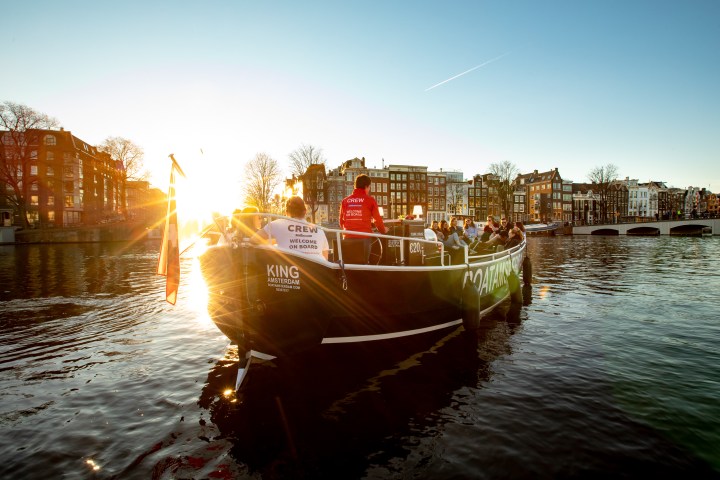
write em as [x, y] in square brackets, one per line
[283, 278]
[489, 279]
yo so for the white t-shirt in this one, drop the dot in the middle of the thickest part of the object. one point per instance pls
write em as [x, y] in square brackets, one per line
[297, 235]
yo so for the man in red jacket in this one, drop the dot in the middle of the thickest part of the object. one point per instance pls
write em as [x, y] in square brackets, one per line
[357, 212]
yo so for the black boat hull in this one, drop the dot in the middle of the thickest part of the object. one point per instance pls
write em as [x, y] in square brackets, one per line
[280, 303]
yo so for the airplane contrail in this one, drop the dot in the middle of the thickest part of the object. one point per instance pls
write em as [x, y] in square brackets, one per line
[468, 71]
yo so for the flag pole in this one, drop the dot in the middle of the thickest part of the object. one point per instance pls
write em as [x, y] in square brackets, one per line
[177, 165]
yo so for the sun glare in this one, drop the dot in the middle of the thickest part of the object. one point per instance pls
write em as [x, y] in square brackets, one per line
[198, 293]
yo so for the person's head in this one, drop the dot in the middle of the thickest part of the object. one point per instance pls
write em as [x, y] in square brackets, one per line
[503, 222]
[251, 222]
[362, 181]
[245, 225]
[453, 221]
[490, 219]
[518, 233]
[444, 224]
[519, 225]
[295, 207]
[434, 225]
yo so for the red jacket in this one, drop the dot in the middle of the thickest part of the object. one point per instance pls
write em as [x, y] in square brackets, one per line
[357, 212]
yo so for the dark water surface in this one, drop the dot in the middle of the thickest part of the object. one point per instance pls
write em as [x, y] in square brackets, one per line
[611, 371]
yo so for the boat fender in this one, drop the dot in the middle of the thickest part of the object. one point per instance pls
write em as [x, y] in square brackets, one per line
[470, 307]
[514, 287]
[527, 271]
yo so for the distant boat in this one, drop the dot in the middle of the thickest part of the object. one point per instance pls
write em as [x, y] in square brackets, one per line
[274, 302]
[541, 228]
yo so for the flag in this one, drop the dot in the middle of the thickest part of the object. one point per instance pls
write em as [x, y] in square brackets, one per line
[169, 261]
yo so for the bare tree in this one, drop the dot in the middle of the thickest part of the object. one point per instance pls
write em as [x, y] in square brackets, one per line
[308, 164]
[603, 177]
[455, 194]
[262, 176]
[303, 157]
[505, 173]
[277, 205]
[131, 156]
[18, 147]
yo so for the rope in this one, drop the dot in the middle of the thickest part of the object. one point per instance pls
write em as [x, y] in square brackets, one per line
[344, 277]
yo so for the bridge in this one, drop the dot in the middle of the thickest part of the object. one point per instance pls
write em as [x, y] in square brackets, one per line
[663, 227]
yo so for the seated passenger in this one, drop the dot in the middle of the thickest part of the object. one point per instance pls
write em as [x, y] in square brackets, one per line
[470, 232]
[515, 238]
[451, 237]
[504, 225]
[243, 227]
[438, 232]
[497, 239]
[295, 234]
[487, 231]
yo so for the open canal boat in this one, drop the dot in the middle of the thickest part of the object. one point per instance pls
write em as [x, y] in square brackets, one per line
[276, 302]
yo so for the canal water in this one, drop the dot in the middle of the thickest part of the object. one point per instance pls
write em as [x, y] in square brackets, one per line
[610, 370]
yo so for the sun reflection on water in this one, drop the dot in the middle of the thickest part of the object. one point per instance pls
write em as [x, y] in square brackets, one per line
[544, 291]
[197, 289]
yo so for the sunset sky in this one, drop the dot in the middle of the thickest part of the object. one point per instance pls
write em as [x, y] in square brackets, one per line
[452, 85]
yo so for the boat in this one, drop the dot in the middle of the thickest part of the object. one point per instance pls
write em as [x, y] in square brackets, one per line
[274, 302]
[541, 228]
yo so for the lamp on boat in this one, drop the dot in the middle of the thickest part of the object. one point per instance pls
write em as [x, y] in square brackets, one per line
[417, 211]
[381, 212]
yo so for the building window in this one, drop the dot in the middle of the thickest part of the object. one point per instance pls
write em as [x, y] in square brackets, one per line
[69, 201]
[50, 171]
[51, 200]
[34, 200]
[50, 140]
[51, 216]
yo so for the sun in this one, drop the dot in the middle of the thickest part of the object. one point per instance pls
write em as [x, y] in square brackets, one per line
[214, 189]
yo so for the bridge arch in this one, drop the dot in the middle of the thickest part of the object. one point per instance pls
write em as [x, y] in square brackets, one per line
[689, 230]
[605, 231]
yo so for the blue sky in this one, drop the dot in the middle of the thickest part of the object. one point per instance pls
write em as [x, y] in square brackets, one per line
[578, 84]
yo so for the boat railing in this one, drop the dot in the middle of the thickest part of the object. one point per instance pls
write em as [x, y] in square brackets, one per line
[237, 223]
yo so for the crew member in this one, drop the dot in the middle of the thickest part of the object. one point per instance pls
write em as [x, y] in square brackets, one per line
[357, 212]
[296, 234]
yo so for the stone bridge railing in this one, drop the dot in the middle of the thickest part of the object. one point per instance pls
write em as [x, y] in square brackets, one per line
[664, 227]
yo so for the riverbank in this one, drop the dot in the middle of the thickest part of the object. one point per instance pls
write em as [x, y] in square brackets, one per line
[116, 232]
